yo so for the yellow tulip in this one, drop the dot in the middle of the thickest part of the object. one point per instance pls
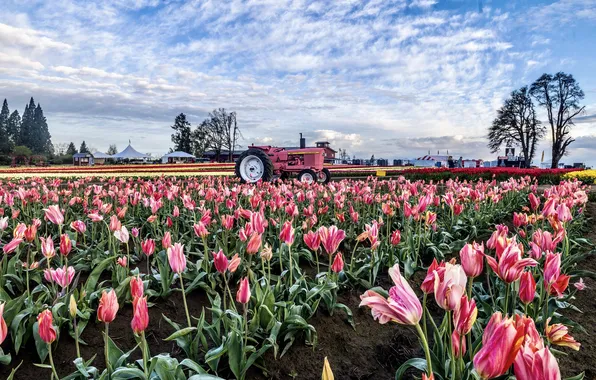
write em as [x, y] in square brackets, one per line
[327, 373]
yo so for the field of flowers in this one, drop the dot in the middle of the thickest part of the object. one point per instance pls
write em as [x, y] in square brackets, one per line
[204, 278]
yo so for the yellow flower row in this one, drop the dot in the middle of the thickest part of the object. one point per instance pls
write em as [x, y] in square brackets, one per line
[587, 176]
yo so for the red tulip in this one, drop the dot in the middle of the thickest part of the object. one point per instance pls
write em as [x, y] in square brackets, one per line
[54, 215]
[31, 233]
[312, 240]
[65, 245]
[220, 261]
[200, 230]
[395, 237]
[140, 318]
[176, 258]
[46, 330]
[402, 306]
[559, 334]
[501, 342]
[527, 287]
[12, 245]
[148, 247]
[3, 327]
[136, 287]
[472, 259]
[558, 287]
[338, 263]
[243, 294]
[287, 233]
[108, 306]
[428, 285]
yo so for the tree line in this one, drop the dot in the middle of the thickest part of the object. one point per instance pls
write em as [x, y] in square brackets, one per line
[218, 132]
[30, 131]
[516, 124]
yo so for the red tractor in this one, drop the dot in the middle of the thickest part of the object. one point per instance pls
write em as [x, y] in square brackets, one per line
[267, 162]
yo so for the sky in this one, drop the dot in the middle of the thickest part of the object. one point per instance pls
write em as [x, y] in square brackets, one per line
[393, 78]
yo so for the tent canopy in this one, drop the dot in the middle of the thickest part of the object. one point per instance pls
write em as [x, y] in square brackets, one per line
[101, 155]
[179, 154]
[130, 153]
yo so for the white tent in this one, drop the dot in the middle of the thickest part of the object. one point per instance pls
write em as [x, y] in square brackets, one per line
[130, 153]
[101, 155]
[176, 156]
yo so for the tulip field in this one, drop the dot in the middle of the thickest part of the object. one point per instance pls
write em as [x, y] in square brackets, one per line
[186, 275]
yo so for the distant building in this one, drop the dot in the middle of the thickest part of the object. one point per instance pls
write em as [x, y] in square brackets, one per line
[82, 159]
[329, 153]
[211, 155]
[177, 158]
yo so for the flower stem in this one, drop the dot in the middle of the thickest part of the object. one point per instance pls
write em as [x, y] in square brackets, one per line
[107, 350]
[144, 348]
[54, 373]
[76, 334]
[291, 265]
[429, 366]
[184, 299]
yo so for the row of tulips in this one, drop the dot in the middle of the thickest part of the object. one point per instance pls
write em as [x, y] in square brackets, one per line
[215, 233]
[500, 318]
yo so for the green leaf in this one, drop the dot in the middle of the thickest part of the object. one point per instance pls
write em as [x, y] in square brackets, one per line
[40, 345]
[254, 356]
[14, 370]
[128, 373]
[205, 377]
[417, 363]
[96, 273]
[193, 366]
[114, 353]
[235, 353]
[581, 376]
[180, 333]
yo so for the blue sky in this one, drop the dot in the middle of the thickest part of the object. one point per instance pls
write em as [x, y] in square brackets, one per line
[396, 78]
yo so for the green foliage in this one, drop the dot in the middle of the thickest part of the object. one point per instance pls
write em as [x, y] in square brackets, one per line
[71, 150]
[22, 150]
[83, 148]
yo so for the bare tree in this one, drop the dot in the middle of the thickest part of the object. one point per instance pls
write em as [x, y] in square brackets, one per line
[516, 124]
[560, 95]
[222, 132]
[112, 149]
[60, 149]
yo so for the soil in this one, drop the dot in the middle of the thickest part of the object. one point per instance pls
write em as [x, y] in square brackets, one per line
[371, 351]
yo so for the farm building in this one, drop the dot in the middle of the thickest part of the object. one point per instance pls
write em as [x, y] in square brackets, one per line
[177, 158]
[99, 158]
[82, 159]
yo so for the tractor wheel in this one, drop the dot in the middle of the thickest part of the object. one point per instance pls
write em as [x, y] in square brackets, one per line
[324, 176]
[254, 165]
[307, 176]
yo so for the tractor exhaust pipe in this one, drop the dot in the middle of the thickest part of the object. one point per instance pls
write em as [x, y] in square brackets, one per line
[302, 142]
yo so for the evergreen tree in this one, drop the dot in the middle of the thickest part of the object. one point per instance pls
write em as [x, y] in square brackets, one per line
[71, 149]
[27, 125]
[182, 137]
[14, 127]
[83, 148]
[41, 141]
[4, 136]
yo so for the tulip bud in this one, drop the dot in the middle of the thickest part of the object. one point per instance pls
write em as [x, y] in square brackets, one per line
[243, 294]
[140, 318]
[72, 306]
[46, 330]
[338, 263]
[108, 306]
[327, 373]
[527, 287]
[136, 287]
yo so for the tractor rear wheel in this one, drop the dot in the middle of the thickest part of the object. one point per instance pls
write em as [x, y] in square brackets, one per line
[307, 176]
[254, 165]
[324, 176]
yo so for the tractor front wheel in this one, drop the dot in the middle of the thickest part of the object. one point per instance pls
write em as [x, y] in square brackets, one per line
[307, 176]
[324, 176]
[254, 165]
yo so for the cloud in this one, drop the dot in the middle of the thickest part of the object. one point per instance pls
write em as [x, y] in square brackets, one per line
[29, 38]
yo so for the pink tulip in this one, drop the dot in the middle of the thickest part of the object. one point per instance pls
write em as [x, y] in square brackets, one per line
[254, 244]
[166, 241]
[534, 201]
[95, 217]
[3, 327]
[510, 266]
[3, 223]
[234, 263]
[134, 232]
[176, 258]
[465, 315]
[563, 213]
[122, 235]
[312, 240]
[176, 212]
[46, 329]
[550, 207]
[533, 365]
[140, 318]
[227, 222]
[63, 276]
[580, 285]
[148, 247]
[31, 233]
[338, 263]
[79, 226]
[12, 245]
[19, 231]
[243, 294]
[136, 287]
[527, 287]
[331, 238]
[108, 306]
[449, 290]
[200, 230]
[287, 233]
[395, 237]
[472, 259]
[122, 261]
[501, 342]
[402, 306]
[552, 268]
[115, 224]
[220, 261]
[428, 284]
[54, 215]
